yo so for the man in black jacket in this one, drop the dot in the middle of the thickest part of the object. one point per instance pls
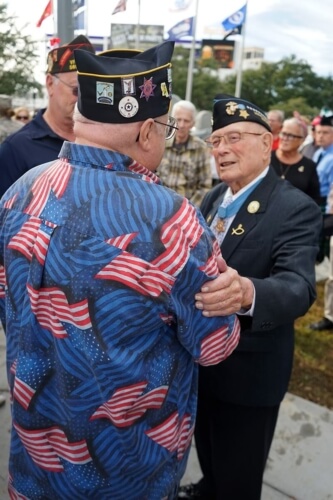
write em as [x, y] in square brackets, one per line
[268, 232]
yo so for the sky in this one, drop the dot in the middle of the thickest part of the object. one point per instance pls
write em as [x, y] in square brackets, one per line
[281, 27]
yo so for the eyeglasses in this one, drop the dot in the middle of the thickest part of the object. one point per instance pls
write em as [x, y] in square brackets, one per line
[290, 137]
[229, 138]
[75, 89]
[21, 117]
[170, 127]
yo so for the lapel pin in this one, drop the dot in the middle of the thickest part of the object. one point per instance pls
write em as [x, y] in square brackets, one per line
[238, 230]
[253, 207]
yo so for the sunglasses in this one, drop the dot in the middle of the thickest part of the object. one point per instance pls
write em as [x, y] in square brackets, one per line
[75, 89]
[22, 117]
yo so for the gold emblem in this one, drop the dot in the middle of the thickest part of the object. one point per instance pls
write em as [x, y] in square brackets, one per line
[209, 218]
[243, 113]
[238, 230]
[301, 168]
[253, 207]
[220, 226]
[231, 107]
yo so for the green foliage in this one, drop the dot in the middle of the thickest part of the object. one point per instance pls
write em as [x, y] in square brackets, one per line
[312, 376]
[204, 84]
[17, 57]
[289, 84]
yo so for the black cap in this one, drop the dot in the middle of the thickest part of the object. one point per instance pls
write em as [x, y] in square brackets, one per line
[327, 120]
[61, 59]
[229, 109]
[124, 86]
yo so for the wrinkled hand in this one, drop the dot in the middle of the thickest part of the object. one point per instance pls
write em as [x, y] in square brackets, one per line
[227, 294]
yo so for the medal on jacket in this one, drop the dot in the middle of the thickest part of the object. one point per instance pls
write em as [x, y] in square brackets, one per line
[220, 225]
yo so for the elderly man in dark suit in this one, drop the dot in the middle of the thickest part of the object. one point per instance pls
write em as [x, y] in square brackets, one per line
[268, 232]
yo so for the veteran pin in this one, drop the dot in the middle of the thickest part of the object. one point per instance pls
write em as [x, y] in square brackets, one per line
[253, 207]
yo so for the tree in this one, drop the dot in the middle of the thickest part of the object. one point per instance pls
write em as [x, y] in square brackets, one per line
[18, 54]
[277, 85]
[205, 85]
[289, 84]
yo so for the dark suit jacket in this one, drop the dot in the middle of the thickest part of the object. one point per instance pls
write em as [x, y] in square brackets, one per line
[277, 251]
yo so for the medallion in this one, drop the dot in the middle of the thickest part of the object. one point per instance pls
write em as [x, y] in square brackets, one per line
[220, 226]
[253, 207]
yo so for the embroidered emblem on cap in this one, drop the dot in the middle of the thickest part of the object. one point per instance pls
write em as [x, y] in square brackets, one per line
[148, 87]
[164, 90]
[128, 106]
[231, 107]
[243, 113]
[128, 86]
[104, 93]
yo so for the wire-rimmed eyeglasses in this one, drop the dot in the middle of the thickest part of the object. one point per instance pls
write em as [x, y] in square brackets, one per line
[170, 128]
[75, 89]
[229, 138]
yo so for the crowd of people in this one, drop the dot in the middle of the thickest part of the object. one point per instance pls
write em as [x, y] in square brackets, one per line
[145, 305]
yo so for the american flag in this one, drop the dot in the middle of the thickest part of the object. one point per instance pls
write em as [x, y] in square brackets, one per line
[48, 11]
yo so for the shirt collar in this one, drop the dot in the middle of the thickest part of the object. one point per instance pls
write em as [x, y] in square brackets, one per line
[89, 156]
[241, 191]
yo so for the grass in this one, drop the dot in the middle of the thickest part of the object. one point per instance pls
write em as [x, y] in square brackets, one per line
[312, 376]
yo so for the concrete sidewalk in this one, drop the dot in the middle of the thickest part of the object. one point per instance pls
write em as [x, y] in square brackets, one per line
[300, 462]
[299, 465]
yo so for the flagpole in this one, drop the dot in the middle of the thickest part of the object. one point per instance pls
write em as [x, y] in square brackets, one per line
[189, 82]
[137, 43]
[240, 57]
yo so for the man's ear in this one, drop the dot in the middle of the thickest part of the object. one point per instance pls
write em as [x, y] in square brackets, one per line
[267, 139]
[49, 82]
[145, 134]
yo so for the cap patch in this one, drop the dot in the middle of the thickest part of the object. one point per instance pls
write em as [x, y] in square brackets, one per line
[104, 93]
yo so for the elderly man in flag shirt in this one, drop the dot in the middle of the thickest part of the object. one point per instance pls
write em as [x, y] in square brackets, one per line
[99, 265]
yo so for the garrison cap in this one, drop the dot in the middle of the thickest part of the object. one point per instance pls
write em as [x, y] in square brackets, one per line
[61, 59]
[125, 86]
[327, 120]
[229, 109]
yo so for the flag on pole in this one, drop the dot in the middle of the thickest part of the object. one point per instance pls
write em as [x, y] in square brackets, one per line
[236, 20]
[181, 29]
[120, 7]
[47, 12]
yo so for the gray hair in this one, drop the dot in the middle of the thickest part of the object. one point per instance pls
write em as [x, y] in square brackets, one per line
[188, 105]
[302, 127]
[278, 113]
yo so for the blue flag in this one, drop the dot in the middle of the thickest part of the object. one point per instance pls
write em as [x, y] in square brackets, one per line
[236, 20]
[181, 29]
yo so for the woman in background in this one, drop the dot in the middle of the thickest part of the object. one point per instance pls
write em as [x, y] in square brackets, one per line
[290, 164]
[22, 114]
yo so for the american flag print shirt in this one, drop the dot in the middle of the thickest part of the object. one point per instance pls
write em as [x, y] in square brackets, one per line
[99, 264]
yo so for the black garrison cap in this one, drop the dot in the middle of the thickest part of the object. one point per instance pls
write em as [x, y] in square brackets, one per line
[125, 86]
[229, 109]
